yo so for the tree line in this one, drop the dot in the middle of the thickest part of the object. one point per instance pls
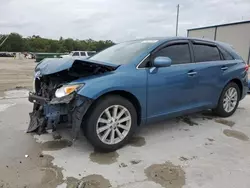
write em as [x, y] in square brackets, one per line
[16, 43]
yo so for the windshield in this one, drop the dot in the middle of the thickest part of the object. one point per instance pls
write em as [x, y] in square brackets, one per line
[123, 53]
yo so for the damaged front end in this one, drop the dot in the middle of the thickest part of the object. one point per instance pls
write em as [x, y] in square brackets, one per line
[52, 109]
[49, 114]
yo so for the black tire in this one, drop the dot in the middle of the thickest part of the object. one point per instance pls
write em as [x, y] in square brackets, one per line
[219, 110]
[96, 111]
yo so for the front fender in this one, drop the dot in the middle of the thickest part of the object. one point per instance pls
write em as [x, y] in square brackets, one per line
[134, 83]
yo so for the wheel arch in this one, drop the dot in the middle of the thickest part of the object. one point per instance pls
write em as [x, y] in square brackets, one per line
[239, 83]
[125, 94]
[234, 80]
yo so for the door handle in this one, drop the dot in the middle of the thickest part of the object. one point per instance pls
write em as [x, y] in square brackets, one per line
[224, 68]
[192, 73]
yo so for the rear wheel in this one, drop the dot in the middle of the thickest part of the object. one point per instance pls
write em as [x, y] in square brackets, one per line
[229, 100]
[111, 123]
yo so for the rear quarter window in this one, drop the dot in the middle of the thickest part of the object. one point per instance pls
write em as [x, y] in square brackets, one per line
[203, 53]
[226, 55]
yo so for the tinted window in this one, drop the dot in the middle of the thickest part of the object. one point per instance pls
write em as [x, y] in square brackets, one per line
[206, 53]
[76, 54]
[178, 53]
[82, 53]
[226, 54]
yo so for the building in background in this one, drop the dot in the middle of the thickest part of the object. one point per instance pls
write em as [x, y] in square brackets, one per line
[237, 34]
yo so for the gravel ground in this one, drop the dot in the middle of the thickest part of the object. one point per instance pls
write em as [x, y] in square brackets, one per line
[199, 150]
[15, 74]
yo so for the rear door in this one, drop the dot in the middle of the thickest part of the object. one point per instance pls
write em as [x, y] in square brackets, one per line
[211, 65]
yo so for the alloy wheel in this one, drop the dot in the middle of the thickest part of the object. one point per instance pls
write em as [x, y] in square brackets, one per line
[114, 124]
[230, 99]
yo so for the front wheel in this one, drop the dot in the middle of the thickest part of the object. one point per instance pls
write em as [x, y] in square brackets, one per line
[111, 123]
[229, 100]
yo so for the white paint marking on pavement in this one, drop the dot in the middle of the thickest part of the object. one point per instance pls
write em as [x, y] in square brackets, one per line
[16, 93]
[4, 107]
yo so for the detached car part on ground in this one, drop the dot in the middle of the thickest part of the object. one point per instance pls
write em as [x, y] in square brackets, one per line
[135, 83]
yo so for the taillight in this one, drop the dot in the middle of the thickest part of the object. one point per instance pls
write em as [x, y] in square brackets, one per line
[246, 67]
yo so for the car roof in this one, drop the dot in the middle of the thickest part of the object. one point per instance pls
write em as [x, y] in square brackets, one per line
[165, 39]
[83, 51]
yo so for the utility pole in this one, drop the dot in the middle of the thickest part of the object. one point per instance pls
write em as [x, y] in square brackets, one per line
[177, 20]
[4, 40]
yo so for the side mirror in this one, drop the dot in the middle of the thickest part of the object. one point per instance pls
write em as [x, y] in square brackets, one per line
[162, 61]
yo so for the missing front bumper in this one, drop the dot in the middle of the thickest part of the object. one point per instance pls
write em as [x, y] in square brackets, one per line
[48, 114]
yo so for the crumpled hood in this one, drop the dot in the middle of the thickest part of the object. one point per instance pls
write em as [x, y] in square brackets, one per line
[54, 65]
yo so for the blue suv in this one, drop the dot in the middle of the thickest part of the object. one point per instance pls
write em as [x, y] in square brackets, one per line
[134, 83]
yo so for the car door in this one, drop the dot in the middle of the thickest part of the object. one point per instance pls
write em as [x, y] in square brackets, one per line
[171, 90]
[210, 65]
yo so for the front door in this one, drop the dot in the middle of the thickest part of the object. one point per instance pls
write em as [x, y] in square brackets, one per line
[172, 89]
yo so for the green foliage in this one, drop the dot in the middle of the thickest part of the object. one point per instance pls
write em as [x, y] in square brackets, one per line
[13, 43]
[17, 43]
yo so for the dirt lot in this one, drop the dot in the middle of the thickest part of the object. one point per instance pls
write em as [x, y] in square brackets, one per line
[199, 150]
[15, 74]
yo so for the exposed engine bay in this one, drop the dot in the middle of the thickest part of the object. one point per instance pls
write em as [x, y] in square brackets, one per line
[49, 111]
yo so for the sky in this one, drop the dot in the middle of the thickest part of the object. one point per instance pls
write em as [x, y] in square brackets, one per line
[117, 20]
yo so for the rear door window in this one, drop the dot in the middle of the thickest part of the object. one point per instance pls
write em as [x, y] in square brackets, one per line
[83, 54]
[178, 53]
[203, 52]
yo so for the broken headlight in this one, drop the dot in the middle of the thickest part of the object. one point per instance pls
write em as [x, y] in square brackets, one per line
[67, 89]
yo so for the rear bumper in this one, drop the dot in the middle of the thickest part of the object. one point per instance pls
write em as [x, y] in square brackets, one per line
[245, 86]
[48, 114]
[248, 89]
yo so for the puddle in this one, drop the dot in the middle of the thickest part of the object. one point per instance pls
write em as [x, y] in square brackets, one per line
[123, 165]
[211, 140]
[236, 134]
[208, 115]
[104, 158]
[55, 145]
[225, 122]
[188, 121]
[52, 174]
[187, 159]
[137, 141]
[208, 144]
[91, 181]
[241, 108]
[134, 162]
[183, 159]
[167, 175]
